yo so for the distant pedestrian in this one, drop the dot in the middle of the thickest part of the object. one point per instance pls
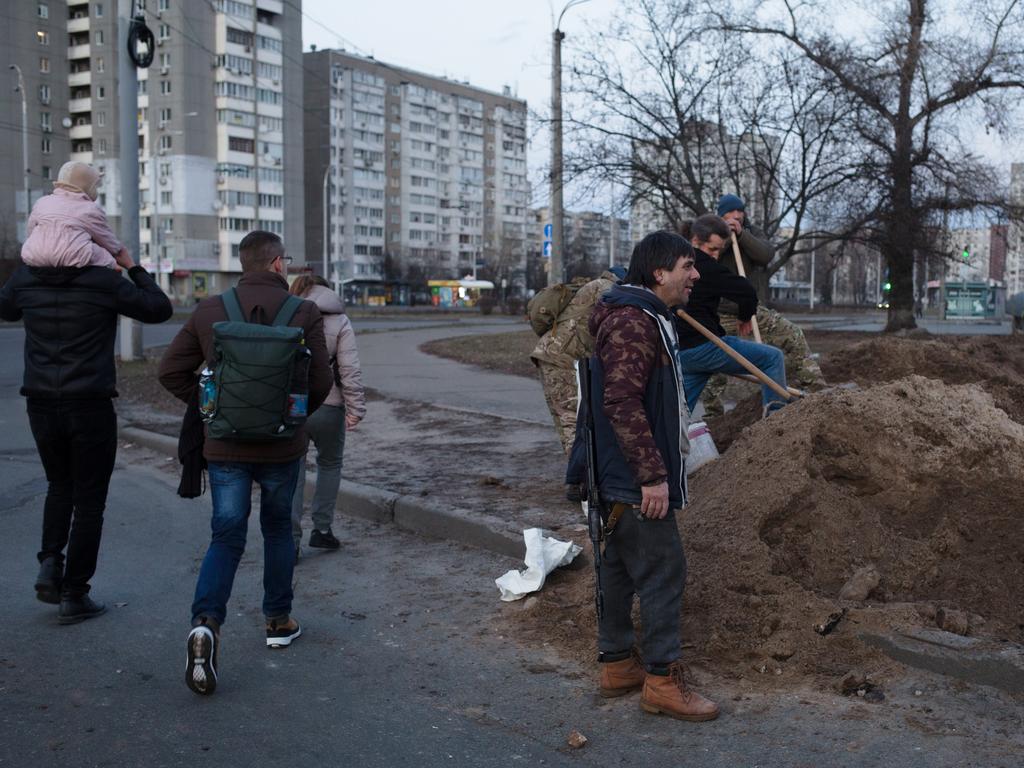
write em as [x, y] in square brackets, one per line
[67, 228]
[235, 464]
[918, 308]
[640, 431]
[70, 316]
[342, 411]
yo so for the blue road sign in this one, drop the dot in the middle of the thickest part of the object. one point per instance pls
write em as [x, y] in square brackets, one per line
[547, 231]
[547, 249]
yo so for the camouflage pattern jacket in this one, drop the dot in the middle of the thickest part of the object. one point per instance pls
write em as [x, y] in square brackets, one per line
[569, 339]
[639, 408]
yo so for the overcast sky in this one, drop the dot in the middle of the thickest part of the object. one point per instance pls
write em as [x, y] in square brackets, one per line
[491, 44]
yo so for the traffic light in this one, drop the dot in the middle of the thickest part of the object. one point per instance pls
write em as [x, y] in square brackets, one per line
[966, 255]
[887, 286]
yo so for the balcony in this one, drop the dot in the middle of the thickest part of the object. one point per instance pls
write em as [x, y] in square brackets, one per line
[273, 6]
[79, 79]
[80, 105]
[80, 132]
[78, 52]
[78, 25]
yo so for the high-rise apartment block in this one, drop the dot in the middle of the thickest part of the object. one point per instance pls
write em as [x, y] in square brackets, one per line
[596, 238]
[425, 177]
[220, 131]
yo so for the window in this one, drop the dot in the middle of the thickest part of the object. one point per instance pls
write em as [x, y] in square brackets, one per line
[44, 64]
[164, 32]
[43, 37]
[271, 201]
[235, 90]
[46, 172]
[165, 87]
[239, 144]
[239, 37]
[166, 197]
[46, 147]
[277, 227]
[165, 169]
[100, 64]
[44, 94]
[98, 37]
[101, 92]
[165, 141]
[44, 121]
[102, 146]
[165, 115]
[167, 224]
[271, 71]
[43, 10]
[98, 10]
[163, 5]
[165, 60]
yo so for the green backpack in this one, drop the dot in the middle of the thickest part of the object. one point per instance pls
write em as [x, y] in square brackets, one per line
[544, 308]
[260, 377]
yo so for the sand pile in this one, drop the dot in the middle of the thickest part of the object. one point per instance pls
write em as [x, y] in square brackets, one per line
[913, 483]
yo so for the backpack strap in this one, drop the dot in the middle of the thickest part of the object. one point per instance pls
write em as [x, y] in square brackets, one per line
[232, 305]
[287, 310]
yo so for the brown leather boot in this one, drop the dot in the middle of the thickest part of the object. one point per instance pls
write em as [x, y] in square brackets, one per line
[621, 677]
[670, 695]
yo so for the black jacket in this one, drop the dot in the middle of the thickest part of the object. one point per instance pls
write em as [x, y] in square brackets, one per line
[716, 282]
[70, 316]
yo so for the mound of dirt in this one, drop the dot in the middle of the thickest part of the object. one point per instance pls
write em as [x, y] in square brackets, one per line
[915, 479]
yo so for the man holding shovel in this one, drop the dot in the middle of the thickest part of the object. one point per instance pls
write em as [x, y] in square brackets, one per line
[699, 357]
[755, 254]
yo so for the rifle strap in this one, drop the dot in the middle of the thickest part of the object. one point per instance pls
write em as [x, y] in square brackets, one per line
[613, 518]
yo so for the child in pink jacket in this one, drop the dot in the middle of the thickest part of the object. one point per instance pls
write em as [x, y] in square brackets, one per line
[68, 228]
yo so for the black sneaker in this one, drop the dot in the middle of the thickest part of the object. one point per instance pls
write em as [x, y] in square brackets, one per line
[325, 540]
[51, 573]
[79, 608]
[201, 668]
[281, 633]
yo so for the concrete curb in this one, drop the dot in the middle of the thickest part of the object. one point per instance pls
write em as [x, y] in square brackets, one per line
[410, 513]
[966, 658]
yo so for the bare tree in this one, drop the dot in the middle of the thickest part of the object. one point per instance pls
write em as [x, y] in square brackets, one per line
[666, 103]
[913, 82]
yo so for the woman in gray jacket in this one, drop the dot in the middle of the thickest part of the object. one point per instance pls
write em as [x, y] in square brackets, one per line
[343, 409]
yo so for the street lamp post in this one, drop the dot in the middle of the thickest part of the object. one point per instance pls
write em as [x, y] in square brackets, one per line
[327, 230]
[557, 236]
[24, 143]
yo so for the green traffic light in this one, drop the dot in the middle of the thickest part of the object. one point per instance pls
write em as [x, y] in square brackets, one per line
[966, 255]
[887, 286]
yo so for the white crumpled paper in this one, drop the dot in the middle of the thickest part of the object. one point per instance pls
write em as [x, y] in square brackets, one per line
[543, 555]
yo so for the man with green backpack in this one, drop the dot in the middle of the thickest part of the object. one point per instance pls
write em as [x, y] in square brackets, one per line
[264, 370]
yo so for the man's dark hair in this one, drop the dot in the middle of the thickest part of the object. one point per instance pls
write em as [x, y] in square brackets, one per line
[258, 250]
[585, 268]
[703, 227]
[658, 250]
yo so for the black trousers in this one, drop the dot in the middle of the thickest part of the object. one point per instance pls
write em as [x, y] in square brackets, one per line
[77, 443]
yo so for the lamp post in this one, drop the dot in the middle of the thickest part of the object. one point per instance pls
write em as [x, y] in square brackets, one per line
[327, 225]
[24, 143]
[557, 237]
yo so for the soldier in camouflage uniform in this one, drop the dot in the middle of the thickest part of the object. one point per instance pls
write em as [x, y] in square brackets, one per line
[558, 350]
[775, 329]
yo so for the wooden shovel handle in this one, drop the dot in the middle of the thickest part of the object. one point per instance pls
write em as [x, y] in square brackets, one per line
[743, 273]
[761, 375]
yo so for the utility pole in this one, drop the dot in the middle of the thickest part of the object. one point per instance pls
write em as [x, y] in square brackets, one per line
[556, 264]
[128, 162]
[327, 225]
[24, 143]
[814, 252]
[557, 236]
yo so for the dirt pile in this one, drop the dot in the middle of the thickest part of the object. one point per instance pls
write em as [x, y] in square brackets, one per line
[913, 484]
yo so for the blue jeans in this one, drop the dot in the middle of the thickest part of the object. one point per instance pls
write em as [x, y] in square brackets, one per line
[700, 363]
[231, 489]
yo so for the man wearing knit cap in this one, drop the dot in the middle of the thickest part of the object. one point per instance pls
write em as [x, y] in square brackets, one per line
[776, 330]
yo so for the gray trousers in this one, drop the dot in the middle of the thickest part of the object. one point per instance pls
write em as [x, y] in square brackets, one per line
[326, 428]
[643, 558]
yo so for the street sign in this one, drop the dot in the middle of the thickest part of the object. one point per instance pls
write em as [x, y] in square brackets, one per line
[547, 249]
[547, 231]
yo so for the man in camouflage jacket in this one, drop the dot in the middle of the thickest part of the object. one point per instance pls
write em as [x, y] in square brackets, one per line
[640, 424]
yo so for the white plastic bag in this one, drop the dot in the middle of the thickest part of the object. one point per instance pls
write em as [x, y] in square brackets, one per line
[702, 447]
[543, 555]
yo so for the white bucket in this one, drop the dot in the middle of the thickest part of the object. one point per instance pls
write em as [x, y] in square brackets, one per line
[702, 447]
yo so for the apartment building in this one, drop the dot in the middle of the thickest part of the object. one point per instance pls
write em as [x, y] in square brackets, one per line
[425, 177]
[590, 236]
[1015, 233]
[33, 37]
[220, 131]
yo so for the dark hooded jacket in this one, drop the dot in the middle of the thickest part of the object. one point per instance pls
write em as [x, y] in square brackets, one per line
[638, 405]
[70, 316]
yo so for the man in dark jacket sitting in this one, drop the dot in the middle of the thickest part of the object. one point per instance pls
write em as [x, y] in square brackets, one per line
[70, 316]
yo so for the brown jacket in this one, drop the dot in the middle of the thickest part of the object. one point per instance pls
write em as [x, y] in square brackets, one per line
[193, 346]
